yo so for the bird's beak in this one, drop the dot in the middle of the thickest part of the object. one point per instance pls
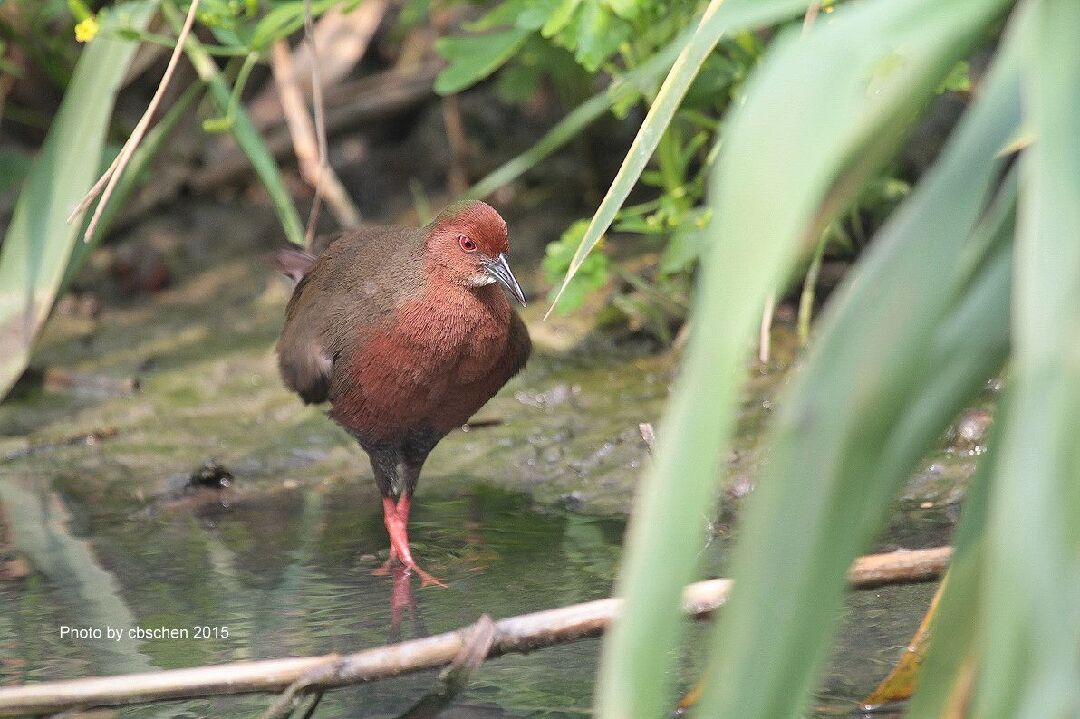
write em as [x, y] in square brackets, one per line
[499, 268]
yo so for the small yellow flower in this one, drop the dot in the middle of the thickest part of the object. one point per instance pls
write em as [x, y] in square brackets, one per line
[87, 29]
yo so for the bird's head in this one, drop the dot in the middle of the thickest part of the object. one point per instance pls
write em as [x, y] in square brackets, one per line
[467, 242]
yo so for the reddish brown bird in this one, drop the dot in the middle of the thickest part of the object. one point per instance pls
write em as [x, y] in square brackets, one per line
[406, 333]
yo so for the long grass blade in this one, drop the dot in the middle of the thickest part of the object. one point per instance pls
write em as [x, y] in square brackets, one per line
[873, 397]
[832, 104]
[39, 240]
[1030, 662]
[720, 18]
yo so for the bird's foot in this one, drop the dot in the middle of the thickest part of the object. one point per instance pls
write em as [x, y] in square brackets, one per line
[384, 570]
[426, 579]
[396, 516]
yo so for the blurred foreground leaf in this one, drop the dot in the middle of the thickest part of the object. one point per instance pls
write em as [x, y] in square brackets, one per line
[39, 239]
[1029, 659]
[825, 111]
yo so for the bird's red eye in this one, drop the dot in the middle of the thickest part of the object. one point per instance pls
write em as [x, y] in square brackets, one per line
[467, 243]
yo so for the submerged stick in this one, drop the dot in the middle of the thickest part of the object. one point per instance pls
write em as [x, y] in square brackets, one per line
[454, 678]
[513, 635]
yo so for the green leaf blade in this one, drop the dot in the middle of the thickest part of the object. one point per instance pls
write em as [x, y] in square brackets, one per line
[1029, 661]
[833, 104]
[471, 59]
[39, 240]
[719, 18]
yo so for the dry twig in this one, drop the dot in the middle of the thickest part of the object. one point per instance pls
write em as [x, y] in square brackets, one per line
[764, 345]
[648, 436]
[320, 124]
[107, 183]
[305, 143]
[458, 175]
[292, 696]
[367, 99]
[513, 635]
[454, 677]
[899, 685]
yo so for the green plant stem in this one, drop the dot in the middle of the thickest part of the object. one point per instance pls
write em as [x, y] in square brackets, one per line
[806, 300]
[243, 130]
[153, 38]
[238, 91]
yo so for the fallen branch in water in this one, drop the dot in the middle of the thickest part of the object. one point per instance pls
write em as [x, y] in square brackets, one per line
[513, 635]
[455, 677]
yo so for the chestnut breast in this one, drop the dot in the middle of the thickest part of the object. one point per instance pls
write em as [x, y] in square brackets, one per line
[430, 366]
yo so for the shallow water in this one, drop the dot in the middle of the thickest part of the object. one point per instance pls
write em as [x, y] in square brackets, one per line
[288, 572]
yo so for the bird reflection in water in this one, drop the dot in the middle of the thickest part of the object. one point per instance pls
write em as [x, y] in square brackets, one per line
[402, 602]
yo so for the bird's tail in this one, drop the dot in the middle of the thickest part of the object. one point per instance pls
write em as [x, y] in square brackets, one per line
[292, 262]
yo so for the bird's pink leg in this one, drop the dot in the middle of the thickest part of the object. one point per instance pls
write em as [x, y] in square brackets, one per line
[396, 518]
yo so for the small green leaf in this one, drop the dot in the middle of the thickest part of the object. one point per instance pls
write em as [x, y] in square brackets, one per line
[958, 79]
[525, 14]
[559, 18]
[537, 13]
[599, 34]
[686, 244]
[471, 59]
[593, 275]
[282, 21]
[626, 9]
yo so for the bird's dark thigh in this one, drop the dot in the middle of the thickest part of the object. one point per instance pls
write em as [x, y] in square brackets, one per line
[397, 465]
[418, 445]
[385, 459]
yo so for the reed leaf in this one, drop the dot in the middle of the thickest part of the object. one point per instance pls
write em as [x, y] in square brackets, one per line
[823, 113]
[720, 18]
[39, 239]
[873, 397]
[1029, 660]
